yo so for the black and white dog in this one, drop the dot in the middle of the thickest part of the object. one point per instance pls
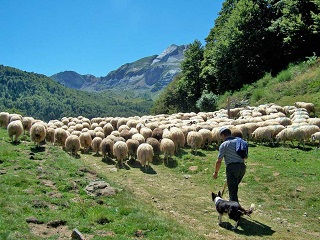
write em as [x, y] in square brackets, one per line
[234, 210]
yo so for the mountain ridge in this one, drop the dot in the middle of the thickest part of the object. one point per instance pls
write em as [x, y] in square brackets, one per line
[151, 73]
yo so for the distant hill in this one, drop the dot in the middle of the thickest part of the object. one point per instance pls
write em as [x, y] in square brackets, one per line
[149, 74]
[40, 97]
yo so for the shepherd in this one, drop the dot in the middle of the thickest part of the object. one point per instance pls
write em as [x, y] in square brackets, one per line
[234, 151]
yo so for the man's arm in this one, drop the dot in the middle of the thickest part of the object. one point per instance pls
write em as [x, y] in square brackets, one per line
[217, 168]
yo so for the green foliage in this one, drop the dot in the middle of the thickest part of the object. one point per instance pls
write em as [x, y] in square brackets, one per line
[284, 76]
[312, 60]
[40, 97]
[168, 100]
[239, 49]
[207, 102]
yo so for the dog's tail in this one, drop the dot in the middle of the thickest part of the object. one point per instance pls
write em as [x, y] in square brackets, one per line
[250, 210]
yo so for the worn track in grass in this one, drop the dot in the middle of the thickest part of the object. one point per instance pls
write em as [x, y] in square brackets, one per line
[187, 199]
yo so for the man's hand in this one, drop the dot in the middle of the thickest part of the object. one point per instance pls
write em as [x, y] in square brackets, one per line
[215, 175]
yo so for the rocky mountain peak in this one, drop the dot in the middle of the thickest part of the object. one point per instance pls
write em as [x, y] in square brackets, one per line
[146, 74]
[171, 54]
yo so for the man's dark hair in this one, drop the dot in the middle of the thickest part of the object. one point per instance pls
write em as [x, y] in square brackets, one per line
[226, 132]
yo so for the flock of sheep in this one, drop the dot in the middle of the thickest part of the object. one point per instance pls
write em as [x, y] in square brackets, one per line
[141, 138]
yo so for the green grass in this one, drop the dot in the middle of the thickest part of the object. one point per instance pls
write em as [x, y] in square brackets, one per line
[167, 202]
[49, 184]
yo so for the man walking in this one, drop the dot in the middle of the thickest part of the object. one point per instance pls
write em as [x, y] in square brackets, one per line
[235, 166]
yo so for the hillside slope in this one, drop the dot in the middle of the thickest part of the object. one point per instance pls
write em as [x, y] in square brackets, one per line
[299, 82]
[38, 96]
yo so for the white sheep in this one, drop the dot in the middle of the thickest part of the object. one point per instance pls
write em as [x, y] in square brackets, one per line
[27, 123]
[4, 119]
[50, 135]
[309, 130]
[15, 129]
[177, 136]
[120, 151]
[60, 136]
[167, 147]
[145, 132]
[14, 117]
[133, 131]
[114, 122]
[314, 121]
[99, 134]
[216, 135]
[139, 138]
[267, 133]
[308, 106]
[106, 147]
[291, 133]
[155, 145]
[194, 140]
[85, 141]
[132, 123]
[123, 127]
[166, 133]
[145, 154]
[132, 145]
[38, 133]
[315, 137]
[126, 134]
[207, 137]
[72, 145]
[95, 144]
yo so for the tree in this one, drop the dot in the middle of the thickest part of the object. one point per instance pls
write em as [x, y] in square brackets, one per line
[297, 23]
[191, 85]
[207, 102]
[252, 37]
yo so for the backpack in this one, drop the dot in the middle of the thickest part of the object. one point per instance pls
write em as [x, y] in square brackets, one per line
[241, 148]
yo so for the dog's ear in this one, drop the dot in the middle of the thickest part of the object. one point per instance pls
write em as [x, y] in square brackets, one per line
[219, 194]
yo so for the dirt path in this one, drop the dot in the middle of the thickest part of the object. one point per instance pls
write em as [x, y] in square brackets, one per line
[174, 194]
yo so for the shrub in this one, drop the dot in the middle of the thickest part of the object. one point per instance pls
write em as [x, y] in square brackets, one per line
[207, 101]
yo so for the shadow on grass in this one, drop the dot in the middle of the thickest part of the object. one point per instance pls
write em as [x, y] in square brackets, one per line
[37, 149]
[171, 163]
[133, 163]
[15, 143]
[197, 153]
[157, 160]
[108, 160]
[250, 227]
[148, 170]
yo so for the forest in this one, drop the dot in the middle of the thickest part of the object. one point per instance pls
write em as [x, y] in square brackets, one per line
[250, 38]
[36, 95]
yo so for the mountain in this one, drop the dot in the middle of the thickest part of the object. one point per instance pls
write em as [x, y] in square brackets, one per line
[74, 80]
[37, 95]
[151, 73]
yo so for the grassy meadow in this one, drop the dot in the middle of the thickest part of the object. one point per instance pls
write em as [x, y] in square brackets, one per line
[43, 196]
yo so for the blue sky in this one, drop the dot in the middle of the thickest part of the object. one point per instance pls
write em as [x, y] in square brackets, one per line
[97, 36]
